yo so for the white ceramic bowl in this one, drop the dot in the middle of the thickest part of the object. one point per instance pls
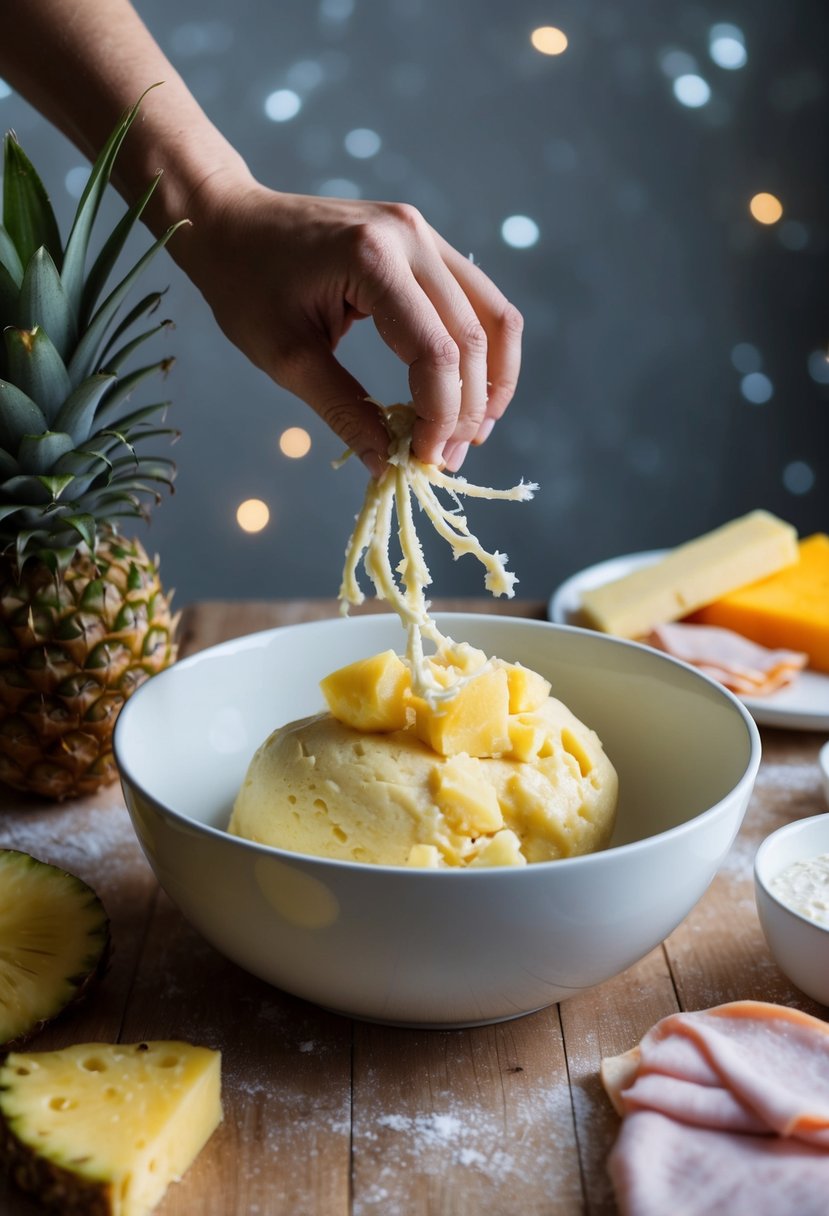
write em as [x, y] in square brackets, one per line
[437, 948]
[799, 945]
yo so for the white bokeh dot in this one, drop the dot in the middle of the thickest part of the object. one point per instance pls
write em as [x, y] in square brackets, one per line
[282, 105]
[340, 187]
[76, 180]
[692, 91]
[798, 477]
[726, 46]
[362, 143]
[519, 231]
[757, 388]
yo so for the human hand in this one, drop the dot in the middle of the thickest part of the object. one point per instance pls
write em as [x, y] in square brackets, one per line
[286, 275]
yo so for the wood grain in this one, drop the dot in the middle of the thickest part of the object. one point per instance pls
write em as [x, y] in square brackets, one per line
[328, 1117]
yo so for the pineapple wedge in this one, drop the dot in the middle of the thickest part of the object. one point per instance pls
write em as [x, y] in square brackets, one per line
[104, 1128]
[54, 943]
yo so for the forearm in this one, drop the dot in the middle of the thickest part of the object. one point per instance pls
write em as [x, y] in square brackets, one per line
[82, 63]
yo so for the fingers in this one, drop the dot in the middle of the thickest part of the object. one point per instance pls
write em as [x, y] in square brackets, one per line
[443, 317]
[503, 325]
[463, 326]
[313, 373]
[409, 323]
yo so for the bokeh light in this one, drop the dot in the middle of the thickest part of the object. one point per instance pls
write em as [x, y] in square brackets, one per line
[5, 91]
[282, 105]
[757, 388]
[549, 40]
[677, 63]
[798, 477]
[766, 208]
[362, 143]
[519, 231]
[305, 74]
[745, 357]
[295, 442]
[726, 46]
[692, 91]
[252, 515]
[339, 187]
[819, 366]
[76, 180]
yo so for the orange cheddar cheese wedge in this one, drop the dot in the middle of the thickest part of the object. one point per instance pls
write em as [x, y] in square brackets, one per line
[788, 610]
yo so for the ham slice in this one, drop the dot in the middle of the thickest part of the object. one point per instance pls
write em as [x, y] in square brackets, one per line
[745, 667]
[725, 1110]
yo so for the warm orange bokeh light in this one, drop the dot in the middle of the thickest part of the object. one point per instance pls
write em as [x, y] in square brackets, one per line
[548, 40]
[295, 442]
[765, 208]
[252, 515]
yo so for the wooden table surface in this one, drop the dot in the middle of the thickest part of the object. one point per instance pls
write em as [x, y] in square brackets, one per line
[328, 1117]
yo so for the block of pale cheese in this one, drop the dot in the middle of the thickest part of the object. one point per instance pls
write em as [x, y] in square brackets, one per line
[788, 610]
[692, 575]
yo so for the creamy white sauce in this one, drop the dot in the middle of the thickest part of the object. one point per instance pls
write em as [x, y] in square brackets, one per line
[804, 887]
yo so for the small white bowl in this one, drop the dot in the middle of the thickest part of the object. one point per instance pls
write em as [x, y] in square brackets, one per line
[800, 946]
[437, 948]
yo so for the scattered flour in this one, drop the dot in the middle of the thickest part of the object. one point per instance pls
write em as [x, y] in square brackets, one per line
[794, 777]
[96, 842]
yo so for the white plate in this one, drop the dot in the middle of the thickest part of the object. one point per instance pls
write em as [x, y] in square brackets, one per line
[804, 705]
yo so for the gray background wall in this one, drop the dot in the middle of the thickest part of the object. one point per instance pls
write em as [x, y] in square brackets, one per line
[649, 295]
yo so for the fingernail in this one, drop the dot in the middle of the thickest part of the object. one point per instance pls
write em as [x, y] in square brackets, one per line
[456, 456]
[484, 430]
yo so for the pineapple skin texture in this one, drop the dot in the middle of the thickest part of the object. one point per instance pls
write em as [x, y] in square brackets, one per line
[73, 648]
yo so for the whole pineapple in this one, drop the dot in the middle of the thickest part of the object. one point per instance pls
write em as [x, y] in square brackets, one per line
[83, 618]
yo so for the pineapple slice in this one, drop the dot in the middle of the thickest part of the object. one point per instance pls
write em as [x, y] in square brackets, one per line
[54, 943]
[105, 1128]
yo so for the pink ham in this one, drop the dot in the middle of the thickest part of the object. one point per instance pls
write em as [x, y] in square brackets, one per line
[725, 1110]
[741, 665]
[661, 1168]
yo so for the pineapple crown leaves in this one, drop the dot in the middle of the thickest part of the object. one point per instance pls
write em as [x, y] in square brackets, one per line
[69, 463]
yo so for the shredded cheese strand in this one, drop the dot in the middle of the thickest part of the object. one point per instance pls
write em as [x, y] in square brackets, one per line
[406, 477]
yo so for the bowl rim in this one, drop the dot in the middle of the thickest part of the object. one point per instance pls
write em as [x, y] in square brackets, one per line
[761, 860]
[411, 873]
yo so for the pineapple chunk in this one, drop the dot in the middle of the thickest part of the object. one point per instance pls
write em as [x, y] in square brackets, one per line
[105, 1128]
[54, 943]
[503, 849]
[424, 857]
[473, 721]
[371, 694]
[468, 802]
[527, 689]
[527, 739]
